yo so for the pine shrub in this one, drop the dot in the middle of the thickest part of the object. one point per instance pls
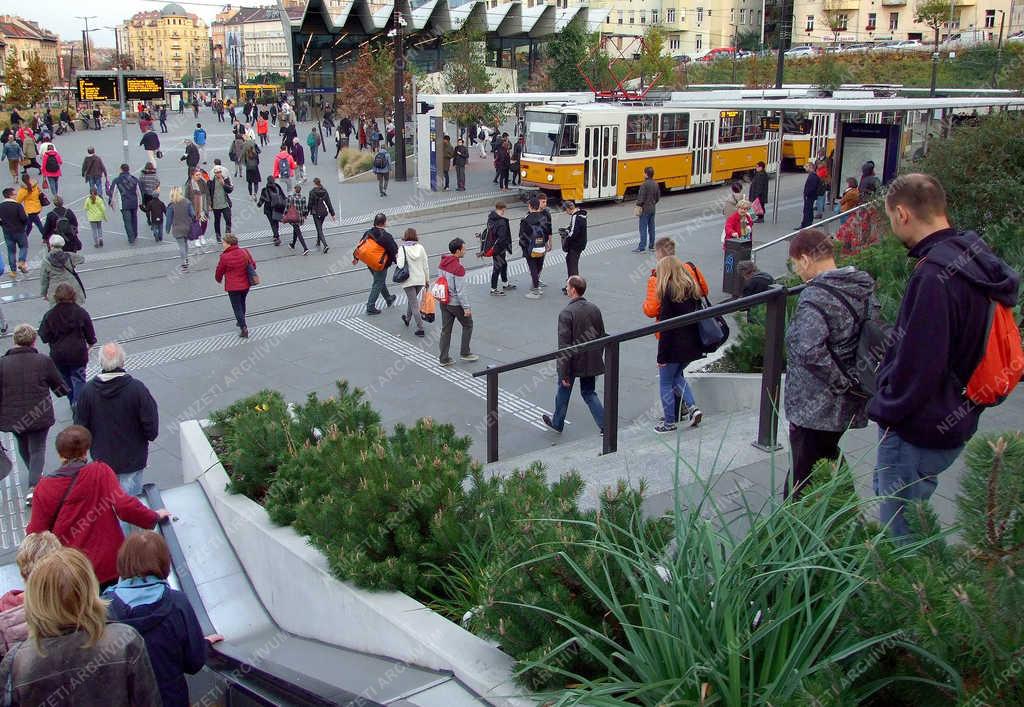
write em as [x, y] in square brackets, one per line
[254, 433]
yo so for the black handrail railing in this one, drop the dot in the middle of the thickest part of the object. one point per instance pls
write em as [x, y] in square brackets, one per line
[775, 325]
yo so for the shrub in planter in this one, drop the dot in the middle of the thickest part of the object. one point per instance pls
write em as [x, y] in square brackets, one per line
[254, 434]
[353, 162]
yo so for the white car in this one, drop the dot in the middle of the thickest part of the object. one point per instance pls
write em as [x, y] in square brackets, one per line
[1018, 37]
[797, 52]
[856, 49]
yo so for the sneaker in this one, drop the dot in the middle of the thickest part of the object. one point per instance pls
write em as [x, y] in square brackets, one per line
[547, 421]
[405, 319]
[3, 328]
[28, 497]
[23, 266]
[277, 241]
[244, 333]
[508, 286]
[447, 362]
[420, 332]
[292, 246]
[391, 302]
[695, 416]
[326, 248]
[184, 267]
[497, 293]
[637, 250]
[306, 252]
[534, 293]
[101, 243]
[541, 284]
[470, 357]
[665, 427]
[373, 311]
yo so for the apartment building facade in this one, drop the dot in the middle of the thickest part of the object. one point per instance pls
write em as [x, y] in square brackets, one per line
[171, 41]
[22, 38]
[251, 41]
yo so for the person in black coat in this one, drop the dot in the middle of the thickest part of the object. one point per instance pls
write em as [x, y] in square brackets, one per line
[498, 241]
[759, 189]
[574, 238]
[191, 157]
[69, 231]
[144, 600]
[273, 200]
[677, 348]
[810, 194]
[68, 329]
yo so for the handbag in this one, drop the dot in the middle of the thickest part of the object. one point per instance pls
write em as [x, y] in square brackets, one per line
[713, 332]
[250, 270]
[291, 215]
[638, 210]
[757, 207]
[197, 229]
[159, 154]
[44, 200]
[428, 305]
[401, 271]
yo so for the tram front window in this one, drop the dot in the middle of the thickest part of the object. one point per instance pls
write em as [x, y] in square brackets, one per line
[541, 133]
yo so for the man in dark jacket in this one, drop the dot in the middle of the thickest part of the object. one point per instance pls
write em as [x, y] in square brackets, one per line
[380, 277]
[122, 416]
[127, 186]
[811, 186]
[190, 158]
[151, 144]
[93, 170]
[579, 322]
[460, 160]
[498, 241]
[924, 419]
[535, 242]
[13, 219]
[574, 239]
[61, 221]
[26, 379]
[759, 189]
[646, 201]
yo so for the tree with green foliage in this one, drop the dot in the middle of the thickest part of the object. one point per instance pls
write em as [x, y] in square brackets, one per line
[38, 79]
[934, 14]
[465, 71]
[655, 65]
[828, 73]
[566, 52]
[17, 82]
[835, 20]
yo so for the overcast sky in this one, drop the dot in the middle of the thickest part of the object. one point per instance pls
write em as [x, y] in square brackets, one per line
[59, 15]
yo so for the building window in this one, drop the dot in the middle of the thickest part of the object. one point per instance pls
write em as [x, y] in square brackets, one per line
[894, 21]
[620, 17]
[641, 132]
[673, 43]
[732, 15]
[654, 17]
[700, 15]
[810, 23]
[632, 17]
[670, 15]
[872, 21]
[842, 22]
[675, 129]
[743, 16]
[700, 42]
[643, 18]
[990, 19]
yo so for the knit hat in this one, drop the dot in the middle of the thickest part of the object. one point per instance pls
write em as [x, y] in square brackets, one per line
[56, 241]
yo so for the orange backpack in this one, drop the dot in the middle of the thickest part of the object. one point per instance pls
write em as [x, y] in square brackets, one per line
[371, 253]
[1002, 362]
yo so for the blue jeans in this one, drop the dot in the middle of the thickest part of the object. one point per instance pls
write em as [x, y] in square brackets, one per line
[74, 376]
[17, 245]
[53, 183]
[33, 218]
[819, 204]
[670, 379]
[646, 231]
[132, 485]
[131, 223]
[588, 385]
[906, 472]
[96, 183]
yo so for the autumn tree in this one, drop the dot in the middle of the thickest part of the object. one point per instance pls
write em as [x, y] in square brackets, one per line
[835, 21]
[465, 71]
[934, 14]
[17, 82]
[39, 83]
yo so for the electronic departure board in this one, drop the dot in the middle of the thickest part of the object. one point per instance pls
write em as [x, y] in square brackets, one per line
[144, 88]
[97, 88]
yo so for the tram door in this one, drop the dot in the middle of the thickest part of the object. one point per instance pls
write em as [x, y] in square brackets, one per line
[600, 161]
[702, 141]
[821, 130]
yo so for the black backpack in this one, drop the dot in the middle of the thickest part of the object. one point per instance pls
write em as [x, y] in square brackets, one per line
[63, 225]
[380, 162]
[873, 339]
[52, 165]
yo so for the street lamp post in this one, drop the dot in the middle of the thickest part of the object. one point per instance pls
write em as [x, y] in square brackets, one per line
[86, 54]
[999, 49]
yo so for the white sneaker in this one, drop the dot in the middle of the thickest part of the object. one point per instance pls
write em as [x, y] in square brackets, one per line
[534, 293]
[695, 416]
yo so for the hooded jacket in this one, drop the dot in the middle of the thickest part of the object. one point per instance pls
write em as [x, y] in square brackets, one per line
[26, 379]
[68, 329]
[455, 275]
[939, 339]
[821, 331]
[527, 228]
[168, 625]
[13, 218]
[576, 238]
[122, 416]
[58, 267]
[292, 164]
[498, 231]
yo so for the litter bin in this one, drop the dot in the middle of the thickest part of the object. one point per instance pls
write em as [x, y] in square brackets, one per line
[736, 251]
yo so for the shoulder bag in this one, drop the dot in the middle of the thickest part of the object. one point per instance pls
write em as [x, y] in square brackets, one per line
[401, 271]
[713, 332]
[77, 278]
[63, 498]
[250, 269]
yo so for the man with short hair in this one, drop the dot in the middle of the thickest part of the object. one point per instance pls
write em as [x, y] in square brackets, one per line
[811, 186]
[457, 306]
[579, 322]
[93, 170]
[498, 241]
[199, 138]
[754, 280]
[535, 242]
[382, 168]
[460, 159]
[128, 189]
[923, 416]
[646, 200]
[379, 234]
[574, 239]
[447, 154]
[122, 416]
[151, 144]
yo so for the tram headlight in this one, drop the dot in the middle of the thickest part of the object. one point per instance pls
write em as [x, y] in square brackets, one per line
[522, 173]
[551, 177]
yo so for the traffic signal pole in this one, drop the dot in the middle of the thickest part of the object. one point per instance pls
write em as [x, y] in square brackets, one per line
[400, 173]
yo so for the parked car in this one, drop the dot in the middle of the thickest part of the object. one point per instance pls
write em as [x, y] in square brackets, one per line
[718, 53]
[1016, 37]
[797, 52]
[856, 49]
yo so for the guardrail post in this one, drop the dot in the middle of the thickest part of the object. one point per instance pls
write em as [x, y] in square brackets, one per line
[771, 378]
[492, 417]
[610, 444]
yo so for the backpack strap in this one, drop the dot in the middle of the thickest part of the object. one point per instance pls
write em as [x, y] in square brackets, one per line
[841, 296]
[835, 359]
[63, 498]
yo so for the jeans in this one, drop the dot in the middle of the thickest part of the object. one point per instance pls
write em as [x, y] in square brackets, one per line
[163, 125]
[671, 379]
[646, 231]
[587, 390]
[17, 248]
[53, 183]
[297, 236]
[237, 298]
[218, 214]
[412, 309]
[449, 314]
[378, 288]
[572, 262]
[318, 223]
[808, 217]
[183, 249]
[382, 184]
[807, 447]
[535, 265]
[158, 230]
[97, 231]
[131, 223]
[460, 176]
[131, 484]
[32, 449]
[312, 153]
[819, 204]
[906, 472]
[446, 172]
[33, 219]
[74, 376]
[95, 183]
[499, 268]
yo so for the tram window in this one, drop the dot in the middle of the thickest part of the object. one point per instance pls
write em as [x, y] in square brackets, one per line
[641, 132]
[753, 124]
[570, 143]
[615, 141]
[586, 143]
[797, 123]
[675, 129]
[730, 126]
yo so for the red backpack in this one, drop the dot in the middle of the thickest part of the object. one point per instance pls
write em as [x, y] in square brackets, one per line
[1002, 362]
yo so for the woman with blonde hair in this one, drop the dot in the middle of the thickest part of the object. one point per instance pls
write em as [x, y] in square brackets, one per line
[178, 220]
[677, 348]
[13, 627]
[69, 638]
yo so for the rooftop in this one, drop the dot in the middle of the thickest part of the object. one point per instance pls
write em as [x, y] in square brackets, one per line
[252, 14]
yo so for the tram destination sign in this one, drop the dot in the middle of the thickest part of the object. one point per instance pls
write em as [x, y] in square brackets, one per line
[97, 88]
[144, 88]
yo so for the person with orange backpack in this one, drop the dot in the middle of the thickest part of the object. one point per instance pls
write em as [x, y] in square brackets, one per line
[956, 348]
[377, 250]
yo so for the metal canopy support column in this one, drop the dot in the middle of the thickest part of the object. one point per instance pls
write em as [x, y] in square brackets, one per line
[438, 64]
[531, 57]
[778, 170]
[501, 50]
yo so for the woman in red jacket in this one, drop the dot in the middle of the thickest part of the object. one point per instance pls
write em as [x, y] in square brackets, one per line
[237, 269]
[81, 503]
[739, 224]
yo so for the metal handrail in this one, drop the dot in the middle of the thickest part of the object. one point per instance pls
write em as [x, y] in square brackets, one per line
[771, 379]
[816, 224]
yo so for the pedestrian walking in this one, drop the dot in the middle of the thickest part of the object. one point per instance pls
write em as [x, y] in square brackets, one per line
[13, 625]
[580, 321]
[143, 599]
[497, 245]
[535, 242]
[811, 185]
[821, 345]
[31, 150]
[251, 160]
[71, 637]
[68, 329]
[59, 267]
[412, 257]
[646, 205]
[320, 207]
[191, 157]
[285, 167]
[14, 155]
[199, 138]
[299, 155]
[127, 188]
[220, 189]
[150, 142]
[502, 161]
[460, 160]
[163, 118]
[821, 168]
[149, 183]
[455, 306]
[273, 200]
[295, 213]
[263, 130]
[313, 141]
[377, 250]
[51, 167]
[869, 184]
[62, 221]
[759, 190]
[197, 192]
[179, 217]
[95, 214]
[517, 156]
[27, 378]
[447, 153]
[574, 238]
[482, 136]
[732, 199]
[96, 115]
[155, 210]
[382, 168]
[14, 221]
[94, 172]
[954, 293]
[31, 197]
[236, 153]
[237, 269]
